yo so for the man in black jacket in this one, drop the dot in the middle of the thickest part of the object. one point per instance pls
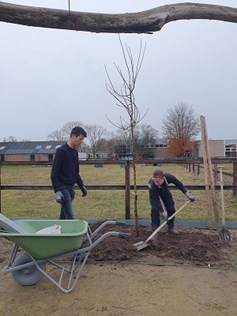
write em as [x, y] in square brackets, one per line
[159, 191]
[65, 172]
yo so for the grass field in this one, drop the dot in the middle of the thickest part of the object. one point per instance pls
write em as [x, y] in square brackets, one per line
[101, 204]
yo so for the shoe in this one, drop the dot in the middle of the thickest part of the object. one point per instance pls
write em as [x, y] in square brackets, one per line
[172, 231]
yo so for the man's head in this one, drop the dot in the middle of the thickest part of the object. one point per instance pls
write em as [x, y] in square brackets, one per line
[158, 177]
[77, 136]
[77, 130]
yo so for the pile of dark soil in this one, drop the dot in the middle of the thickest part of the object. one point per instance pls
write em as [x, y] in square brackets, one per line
[191, 246]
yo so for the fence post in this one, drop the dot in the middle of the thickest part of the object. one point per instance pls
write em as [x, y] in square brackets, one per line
[215, 174]
[234, 177]
[127, 190]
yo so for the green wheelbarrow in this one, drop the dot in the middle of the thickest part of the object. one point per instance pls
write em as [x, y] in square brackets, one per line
[50, 242]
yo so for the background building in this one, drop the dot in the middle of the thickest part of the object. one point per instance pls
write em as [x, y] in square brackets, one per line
[44, 151]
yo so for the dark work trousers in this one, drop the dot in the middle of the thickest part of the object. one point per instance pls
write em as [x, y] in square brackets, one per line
[66, 207]
[157, 208]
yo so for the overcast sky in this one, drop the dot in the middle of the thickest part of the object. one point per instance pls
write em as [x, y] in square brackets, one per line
[50, 77]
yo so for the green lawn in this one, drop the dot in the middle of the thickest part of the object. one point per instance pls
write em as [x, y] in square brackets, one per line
[101, 204]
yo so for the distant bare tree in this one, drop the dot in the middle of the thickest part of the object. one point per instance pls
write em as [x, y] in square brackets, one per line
[57, 135]
[147, 135]
[123, 135]
[144, 136]
[125, 98]
[10, 139]
[64, 132]
[66, 129]
[95, 134]
[180, 127]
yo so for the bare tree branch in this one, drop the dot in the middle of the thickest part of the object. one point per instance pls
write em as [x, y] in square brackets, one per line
[148, 21]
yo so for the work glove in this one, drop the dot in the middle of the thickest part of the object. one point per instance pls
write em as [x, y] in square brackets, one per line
[165, 215]
[190, 197]
[59, 197]
[84, 191]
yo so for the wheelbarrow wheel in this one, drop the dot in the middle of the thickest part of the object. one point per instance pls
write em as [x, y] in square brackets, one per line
[28, 275]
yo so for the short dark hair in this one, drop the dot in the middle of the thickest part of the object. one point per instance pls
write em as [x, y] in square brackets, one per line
[77, 130]
[158, 173]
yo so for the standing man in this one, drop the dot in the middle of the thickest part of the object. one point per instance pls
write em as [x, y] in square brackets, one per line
[159, 191]
[65, 172]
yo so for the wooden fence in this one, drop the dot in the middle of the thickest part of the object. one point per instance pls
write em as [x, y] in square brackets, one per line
[193, 165]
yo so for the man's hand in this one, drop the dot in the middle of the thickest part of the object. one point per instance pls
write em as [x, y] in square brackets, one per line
[59, 197]
[84, 191]
[190, 197]
[165, 215]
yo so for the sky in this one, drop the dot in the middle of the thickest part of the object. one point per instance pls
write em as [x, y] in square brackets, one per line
[51, 77]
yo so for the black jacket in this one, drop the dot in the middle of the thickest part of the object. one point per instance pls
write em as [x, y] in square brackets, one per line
[65, 169]
[155, 191]
[169, 178]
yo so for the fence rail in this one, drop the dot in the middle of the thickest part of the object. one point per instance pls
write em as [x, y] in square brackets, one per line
[108, 187]
[179, 160]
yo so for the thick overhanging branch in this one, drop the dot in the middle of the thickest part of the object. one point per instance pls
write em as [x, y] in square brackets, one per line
[141, 22]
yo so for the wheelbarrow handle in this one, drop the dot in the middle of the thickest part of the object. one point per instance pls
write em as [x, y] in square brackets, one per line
[120, 223]
[124, 235]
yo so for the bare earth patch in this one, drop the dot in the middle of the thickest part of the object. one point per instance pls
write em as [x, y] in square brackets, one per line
[192, 273]
[192, 246]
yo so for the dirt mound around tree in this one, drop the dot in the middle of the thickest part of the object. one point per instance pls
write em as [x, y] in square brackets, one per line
[191, 246]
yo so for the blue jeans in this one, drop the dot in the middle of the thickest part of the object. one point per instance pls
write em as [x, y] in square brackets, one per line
[66, 207]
